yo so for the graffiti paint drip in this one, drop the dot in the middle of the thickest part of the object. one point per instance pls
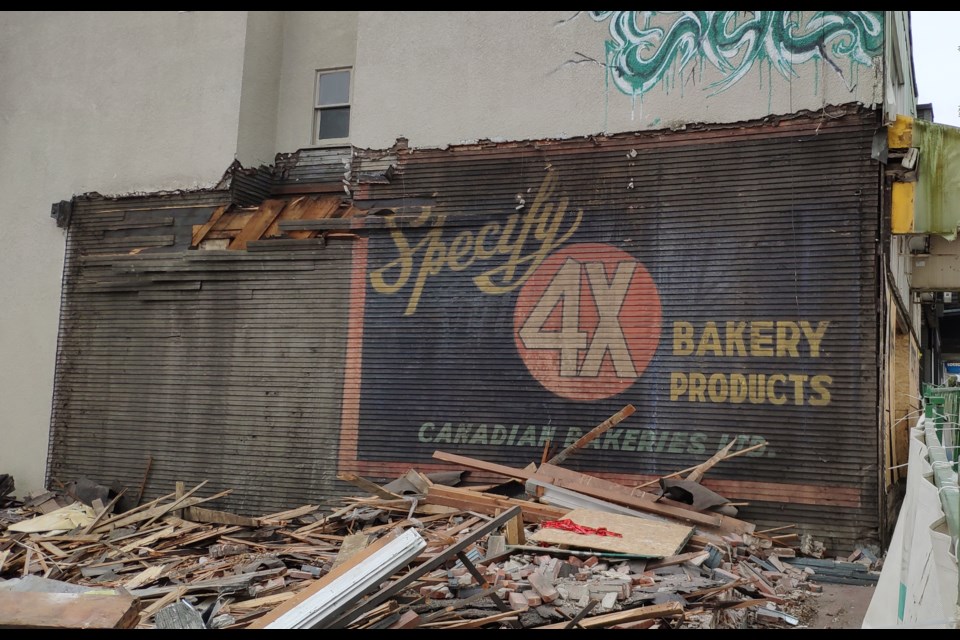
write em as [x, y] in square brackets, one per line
[641, 56]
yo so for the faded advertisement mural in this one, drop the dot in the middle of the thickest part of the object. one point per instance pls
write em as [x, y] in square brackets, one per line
[520, 298]
[671, 49]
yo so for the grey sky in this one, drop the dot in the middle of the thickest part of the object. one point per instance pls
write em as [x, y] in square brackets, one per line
[936, 37]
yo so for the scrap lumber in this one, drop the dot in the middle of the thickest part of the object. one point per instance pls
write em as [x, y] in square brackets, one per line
[155, 513]
[352, 544]
[515, 534]
[39, 610]
[462, 578]
[613, 492]
[367, 485]
[669, 609]
[212, 516]
[711, 462]
[482, 465]
[671, 561]
[180, 499]
[103, 512]
[593, 434]
[490, 504]
[317, 606]
[682, 472]
[426, 567]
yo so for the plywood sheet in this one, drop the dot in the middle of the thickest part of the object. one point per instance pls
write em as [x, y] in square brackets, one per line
[641, 537]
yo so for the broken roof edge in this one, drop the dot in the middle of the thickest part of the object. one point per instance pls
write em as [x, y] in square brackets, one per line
[828, 112]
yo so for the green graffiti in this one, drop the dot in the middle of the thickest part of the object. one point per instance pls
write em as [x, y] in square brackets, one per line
[641, 56]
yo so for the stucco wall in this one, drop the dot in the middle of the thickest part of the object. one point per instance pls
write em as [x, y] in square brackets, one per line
[157, 109]
[447, 77]
[312, 40]
[257, 128]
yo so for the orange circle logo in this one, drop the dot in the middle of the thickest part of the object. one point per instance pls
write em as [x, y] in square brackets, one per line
[587, 321]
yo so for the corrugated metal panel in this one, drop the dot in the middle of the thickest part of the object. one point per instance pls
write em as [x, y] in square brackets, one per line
[215, 364]
[249, 187]
[271, 371]
[767, 224]
[314, 165]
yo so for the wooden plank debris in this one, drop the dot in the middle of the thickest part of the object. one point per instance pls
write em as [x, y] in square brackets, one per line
[669, 609]
[638, 537]
[593, 434]
[38, 610]
[606, 490]
[482, 465]
[367, 485]
[343, 586]
[253, 569]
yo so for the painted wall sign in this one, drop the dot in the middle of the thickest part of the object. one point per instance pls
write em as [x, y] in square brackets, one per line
[492, 326]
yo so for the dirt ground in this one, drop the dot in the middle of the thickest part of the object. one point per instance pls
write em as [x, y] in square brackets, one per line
[840, 606]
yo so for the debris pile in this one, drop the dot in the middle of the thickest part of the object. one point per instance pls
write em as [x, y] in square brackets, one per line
[568, 550]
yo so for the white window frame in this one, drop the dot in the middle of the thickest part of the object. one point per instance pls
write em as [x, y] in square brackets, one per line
[316, 141]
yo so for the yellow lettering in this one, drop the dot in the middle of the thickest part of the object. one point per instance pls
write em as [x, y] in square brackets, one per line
[819, 385]
[735, 338]
[459, 249]
[718, 388]
[432, 265]
[761, 344]
[738, 388]
[480, 249]
[814, 337]
[787, 345]
[771, 389]
[710, 340]
[756, 388]
[678, 385]
[404, 262]
[698, 384]
[798, 380]
[682, 338]
[547, 221]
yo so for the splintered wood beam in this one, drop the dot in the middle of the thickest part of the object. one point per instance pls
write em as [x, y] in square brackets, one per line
[181, 497]
[483, 465]
[702, 468]
[106, 510]
[593, 434]
[212, 516]
[367, 485]
[490, 503]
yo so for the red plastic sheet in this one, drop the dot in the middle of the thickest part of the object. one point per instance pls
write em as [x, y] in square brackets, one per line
[569, 525]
